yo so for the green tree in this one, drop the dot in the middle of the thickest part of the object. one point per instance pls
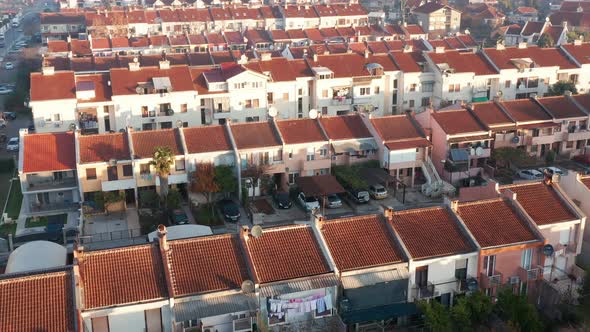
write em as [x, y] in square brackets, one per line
[173, 199]
[517, 312]
[436, 316]
[507, 156]
[226, 179]
[546, 41]
[112, 197]
[162, 161]
[149, 199]
[559, 88]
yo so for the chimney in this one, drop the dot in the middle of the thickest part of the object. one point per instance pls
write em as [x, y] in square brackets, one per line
[48, 70]
[315, 57]
[511, 195]
[567, 93]
[388, 213]
[522, 45]
[134, 66]
[366, 53]
[578, 41]
[164, 64]
[265, 56]
[162, 237]
[439, 49]
[317, 219]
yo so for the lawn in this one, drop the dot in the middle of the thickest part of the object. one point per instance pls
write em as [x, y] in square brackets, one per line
[14, 200]
[43, 220]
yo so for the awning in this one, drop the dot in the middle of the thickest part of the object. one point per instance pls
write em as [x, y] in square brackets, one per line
[479, 99]
[368, 279]
[459, 155]
[214, 306]
[470, 138]
[538, 125]
[354, 146]
[294, 286]
[407, 144]
[376, 175]
[319, 185]
[379, 313]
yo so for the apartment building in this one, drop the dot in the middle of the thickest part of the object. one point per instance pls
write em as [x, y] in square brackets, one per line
[444, 268]
[350, 139]
[437, 18]
[61, 25]
[577, 188]
[577, 52]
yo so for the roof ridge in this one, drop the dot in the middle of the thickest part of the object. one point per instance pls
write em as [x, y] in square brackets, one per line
[481, 201]
[201, 238]
[513, 185]
[415, 210]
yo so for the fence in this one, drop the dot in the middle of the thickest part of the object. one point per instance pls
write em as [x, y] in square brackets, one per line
[128, 234]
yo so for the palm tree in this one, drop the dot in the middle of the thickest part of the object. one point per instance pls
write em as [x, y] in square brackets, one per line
[162, 162]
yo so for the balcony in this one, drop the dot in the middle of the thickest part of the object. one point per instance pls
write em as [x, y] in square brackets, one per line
[542, 139]
[318, 163]
[119, 184]
[343, 100]
[577, 135]
[424, 292]
[50, 185]
[243, 324]
[565, 249]
[534, 273]
[491, 281]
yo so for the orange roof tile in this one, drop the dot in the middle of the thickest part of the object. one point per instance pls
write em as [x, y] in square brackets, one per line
[395, 127]
[300, 131]
[102, 90]
[49, 152]
[57, 46]
[491, 115]
[463, 62]
[145, 142]
[360, 242]
[494, 222]
[455, 122]
[104, 147]
[221, 264]
[38, 302]
[523, 110]
[121, 276]
[430, 232]
[206, 139]
[586, 181]
[345, 127]
[544, 57]
[265, 135]
[541, 202]
[284, 253]
[579, 52]
[124, 81]
[59, 85]
[561, 107]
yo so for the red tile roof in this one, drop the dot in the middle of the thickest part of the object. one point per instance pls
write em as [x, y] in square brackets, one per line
[579, 52]
[583, 100]
[104, 147]
[430, 232]
[408, 62]
[345, 127]
[360, 242]
[80, 47]
[102, 90]
[455, 122]
[544, 57]
[463, 62]
[299, 11]
[38, 302]
[429, 7]
[284, 253]
[280, 69]
[207, 139]
[524, 110]
[541, 202]
[145, 142]
[491, 115]
[495, 223]
[407, 144]
[300, 131]
[123, 275]
[265, 135]
[49, 152]
[586, 181]
[395, 127]
[221, 265]
[59, 85]
[124, 81]
[561, 107]
[58, 46]
[119, 42]
[100, 43]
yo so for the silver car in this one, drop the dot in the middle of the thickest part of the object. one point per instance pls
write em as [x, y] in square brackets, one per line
[12, 144]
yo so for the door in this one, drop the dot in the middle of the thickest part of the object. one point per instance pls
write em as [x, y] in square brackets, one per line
[489, 263]
[112, 173]
[107, 124]
[526, 259]
[421, 276]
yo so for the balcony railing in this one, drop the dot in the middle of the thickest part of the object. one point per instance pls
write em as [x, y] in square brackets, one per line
[566, 249]
[492, 281]
[533, 273]
[424, 292]
[344, 100]
[52, 184]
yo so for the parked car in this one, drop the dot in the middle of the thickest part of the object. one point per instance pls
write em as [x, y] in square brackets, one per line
[5, 90]
[530, 174]
[360, 196]
[9, 115]
[282, 200]
[583, 159]
[332, 201]
[551, 170]
[377, 191]
[12, 144]
[230, 210]
[308, 203]
[177, 217]
[8, 66]
[31, 128]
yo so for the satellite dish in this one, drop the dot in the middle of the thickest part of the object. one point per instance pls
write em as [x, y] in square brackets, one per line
[479, 151]
[139, 90]
[121, 130]
[135, 60]
[72, 126]
[472, 151]
[247, 287]
[313, 113]
[515, 140]
[256, 231]
[272, 111]
[548, 250]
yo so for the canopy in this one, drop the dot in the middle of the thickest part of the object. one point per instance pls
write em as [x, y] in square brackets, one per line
[319, 185]
[354, 145]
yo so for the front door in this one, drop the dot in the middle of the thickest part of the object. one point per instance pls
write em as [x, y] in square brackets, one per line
[421, 276]
[489, 263]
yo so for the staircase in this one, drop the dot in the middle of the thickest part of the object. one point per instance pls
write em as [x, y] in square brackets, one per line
[434, 186]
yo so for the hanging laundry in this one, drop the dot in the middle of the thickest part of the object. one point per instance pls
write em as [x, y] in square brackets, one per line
[328, 300]
[313, 305]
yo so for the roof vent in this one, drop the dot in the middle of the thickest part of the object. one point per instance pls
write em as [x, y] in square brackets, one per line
[134, 66]
[439, 49]
[164, 64]
[265, 56]
[522, 45]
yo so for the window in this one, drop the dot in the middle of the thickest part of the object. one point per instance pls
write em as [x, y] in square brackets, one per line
[454, 87]
[489, 264]
[278, 155]
[427, 86]
[300, 92]
[323, 152]
[286, 96]
[248, 103]
[165, 108]
[270, 97]
[183, 108]
[580, 144]
[144, 169]
[144, 112]
[127, 170]
[324, 110]
[461, 269]
[310, 154]
[91, 174]
[179, 164]
[365, 91]
[290, 154]
[411, 103]
[533, 82]
[421, 276]
[292, 177]
[413, 87]
[425, 102]
[255, 103]
[526, 258]
[202, 102]
[324, 93]
[112, 173]
[376, 89]
[56, 117]
[395, 84]
[569, 144]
